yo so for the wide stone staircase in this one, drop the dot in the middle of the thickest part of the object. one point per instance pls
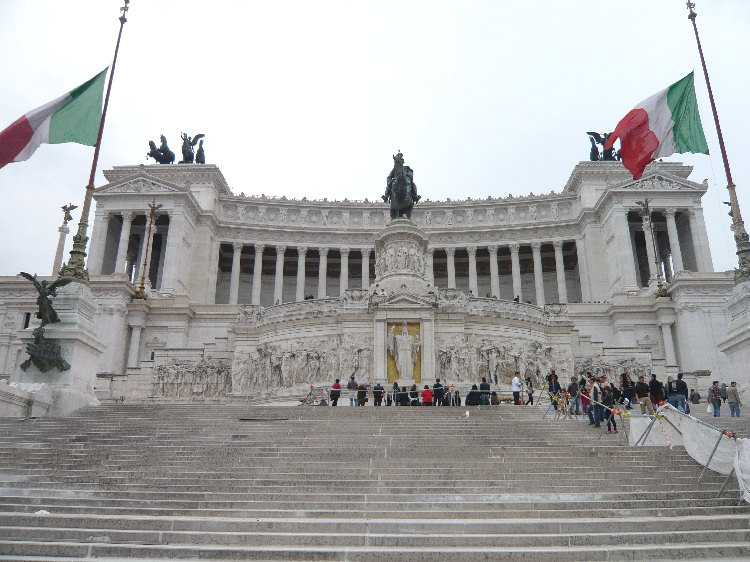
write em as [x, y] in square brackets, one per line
[232, 482]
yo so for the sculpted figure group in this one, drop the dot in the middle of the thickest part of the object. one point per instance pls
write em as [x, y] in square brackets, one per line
[498, 361]
[312, 361]
[163, 154]
[404, 258]
[208, 379]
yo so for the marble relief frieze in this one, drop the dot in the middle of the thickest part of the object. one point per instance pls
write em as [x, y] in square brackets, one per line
[427, 216]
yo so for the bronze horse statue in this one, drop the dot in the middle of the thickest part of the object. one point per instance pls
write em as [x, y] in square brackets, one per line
[401, 191]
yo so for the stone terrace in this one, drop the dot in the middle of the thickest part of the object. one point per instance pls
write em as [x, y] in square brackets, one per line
[303, 483]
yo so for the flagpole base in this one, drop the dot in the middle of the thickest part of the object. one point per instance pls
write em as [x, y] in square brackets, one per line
[76, 266]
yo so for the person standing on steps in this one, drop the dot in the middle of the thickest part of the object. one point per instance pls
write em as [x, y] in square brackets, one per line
[529, 390]
[515, 387]
[575, 398]
[643, 396]
[733, 399]
[608, 399]
[655, 391]
[484, 389]
[714, 398]
[595, 410]
[351, 386]
[723, 392]
[377, 394]
[335, 393]
[427, 396]
[681, 390]
[438, 393]
[472, 398]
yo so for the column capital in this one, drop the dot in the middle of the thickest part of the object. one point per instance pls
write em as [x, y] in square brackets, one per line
[301, 250]
[514, 247]
[558, 244]
[323, 252]
[450, 251]
[471, 250]
[670, 212]
[536, 245]
[237, 246]
[259, 248]
[344, 251]
[492, 249]
[129, 216]
[366, 251]
[280, 250]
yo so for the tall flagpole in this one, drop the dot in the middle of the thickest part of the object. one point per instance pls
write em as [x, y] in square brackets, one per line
[76, 266]
[741, 238]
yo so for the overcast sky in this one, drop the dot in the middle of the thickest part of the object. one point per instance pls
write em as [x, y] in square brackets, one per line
[312, 98]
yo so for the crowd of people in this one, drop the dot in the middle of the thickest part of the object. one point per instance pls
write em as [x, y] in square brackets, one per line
[596, 397]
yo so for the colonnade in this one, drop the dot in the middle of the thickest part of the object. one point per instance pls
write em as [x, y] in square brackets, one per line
[657, 255]
[366, 253]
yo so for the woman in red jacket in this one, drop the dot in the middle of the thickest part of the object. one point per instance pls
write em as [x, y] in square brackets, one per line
[426, 396]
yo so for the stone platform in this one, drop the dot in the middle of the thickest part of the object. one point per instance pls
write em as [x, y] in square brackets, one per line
[229, 482]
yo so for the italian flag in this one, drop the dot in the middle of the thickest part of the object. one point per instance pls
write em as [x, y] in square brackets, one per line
[664, 124]
[73, 117]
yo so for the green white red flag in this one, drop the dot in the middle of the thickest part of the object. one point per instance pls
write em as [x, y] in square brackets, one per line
[73, 117]
[664, 124]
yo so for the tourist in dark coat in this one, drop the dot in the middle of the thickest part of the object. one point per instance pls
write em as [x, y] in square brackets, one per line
[473, 398]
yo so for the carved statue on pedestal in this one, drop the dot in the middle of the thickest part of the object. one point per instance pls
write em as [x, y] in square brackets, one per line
[401, 191]
[45, 354]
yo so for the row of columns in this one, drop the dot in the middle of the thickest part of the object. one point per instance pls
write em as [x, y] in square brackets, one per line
[562, 290]
[700, 247]
[278, 287]
[450, 254]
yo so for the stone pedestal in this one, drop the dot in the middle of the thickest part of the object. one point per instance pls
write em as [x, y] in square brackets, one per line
[72, 389]
[736, 345]
[402, 293]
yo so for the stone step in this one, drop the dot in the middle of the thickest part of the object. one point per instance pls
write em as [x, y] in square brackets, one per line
[319, 539]
[20, 550]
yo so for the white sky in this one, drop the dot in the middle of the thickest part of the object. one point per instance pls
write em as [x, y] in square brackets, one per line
[312, 98]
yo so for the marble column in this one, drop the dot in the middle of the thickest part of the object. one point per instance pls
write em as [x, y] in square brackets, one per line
[301, 253]
[213, 275]
[322, 272]
[450, 254]
[278, 282]
[98, 243]
[121, 262]
[135, 346]
[344, 277]
[365, 268]
[536, 250]
[516, 271]
[473, 286]
[674, 241]
[57, 264]
[669, 354]
[626, 258]
[257, 273]
[174, 262]
[430, 266]
[562, 288]
[583, 272]
[234, 283]
[146, 254]
[701, 249]
[650, 251]
[494, 275]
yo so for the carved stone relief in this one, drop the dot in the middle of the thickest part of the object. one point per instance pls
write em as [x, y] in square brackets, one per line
[207, 379]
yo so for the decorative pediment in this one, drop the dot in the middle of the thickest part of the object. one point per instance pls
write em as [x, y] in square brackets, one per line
[403, 298]
[139, 185]
[662, 182]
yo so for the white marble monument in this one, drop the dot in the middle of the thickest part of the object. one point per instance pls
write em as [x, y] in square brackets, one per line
[251, 294]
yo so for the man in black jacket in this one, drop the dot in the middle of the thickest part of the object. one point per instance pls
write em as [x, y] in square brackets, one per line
[438, 393]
